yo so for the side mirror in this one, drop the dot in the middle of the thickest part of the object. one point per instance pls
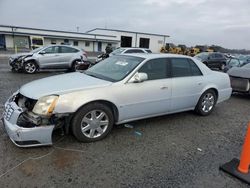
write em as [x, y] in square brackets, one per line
[139, 77]
[42, 52]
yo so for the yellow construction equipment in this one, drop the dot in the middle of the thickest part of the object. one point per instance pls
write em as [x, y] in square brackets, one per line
[171, 48]
[193, 51]
[184, 49]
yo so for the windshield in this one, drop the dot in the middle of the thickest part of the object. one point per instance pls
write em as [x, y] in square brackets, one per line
[117, 51]
[114, 68]
[37, 49]
[234, 62]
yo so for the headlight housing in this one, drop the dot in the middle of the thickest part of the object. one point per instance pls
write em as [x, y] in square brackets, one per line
[45, 105]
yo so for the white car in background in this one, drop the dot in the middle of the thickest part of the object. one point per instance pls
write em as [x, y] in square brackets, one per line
[121, 89]
[120, 51]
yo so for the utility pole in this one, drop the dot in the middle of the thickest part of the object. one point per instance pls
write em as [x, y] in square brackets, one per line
[13, 29]
[77, 29]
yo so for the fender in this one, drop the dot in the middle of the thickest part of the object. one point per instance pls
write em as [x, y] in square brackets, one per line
[30, 58]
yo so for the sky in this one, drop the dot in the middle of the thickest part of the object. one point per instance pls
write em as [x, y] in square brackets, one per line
[220, 22]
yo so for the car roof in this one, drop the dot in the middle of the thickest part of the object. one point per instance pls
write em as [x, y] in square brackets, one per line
[155, 55]
[128, 48]
[62, 45]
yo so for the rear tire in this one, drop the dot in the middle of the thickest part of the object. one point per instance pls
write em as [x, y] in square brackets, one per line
[92, 122]
[206, 103]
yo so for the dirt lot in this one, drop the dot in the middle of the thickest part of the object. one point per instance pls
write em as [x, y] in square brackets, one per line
[180, 150]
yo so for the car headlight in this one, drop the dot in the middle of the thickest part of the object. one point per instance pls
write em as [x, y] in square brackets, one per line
[45, 105]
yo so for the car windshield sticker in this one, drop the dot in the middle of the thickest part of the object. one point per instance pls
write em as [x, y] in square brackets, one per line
[122, 63]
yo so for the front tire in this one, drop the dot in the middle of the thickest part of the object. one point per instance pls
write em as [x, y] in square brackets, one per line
[30, 67]
[92, 122]
[206, 103]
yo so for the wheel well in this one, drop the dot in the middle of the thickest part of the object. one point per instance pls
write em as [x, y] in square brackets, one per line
[111, 105]
[32, 60]
[216, 92]
[74, 62]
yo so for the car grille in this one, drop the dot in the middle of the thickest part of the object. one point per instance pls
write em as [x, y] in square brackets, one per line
[239, 84]
[8, 111]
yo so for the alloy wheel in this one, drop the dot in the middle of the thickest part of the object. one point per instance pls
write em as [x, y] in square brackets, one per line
[94, 123]
[207, 102]
[30, 67]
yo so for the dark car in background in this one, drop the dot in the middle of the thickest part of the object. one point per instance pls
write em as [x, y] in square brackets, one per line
[212, 59]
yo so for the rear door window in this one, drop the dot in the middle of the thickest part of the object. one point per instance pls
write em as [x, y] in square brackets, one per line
[218, 56]
[52, 50]
[134, 51]
[183, 67]
[148, 51]
[195, 70]
[65, 49]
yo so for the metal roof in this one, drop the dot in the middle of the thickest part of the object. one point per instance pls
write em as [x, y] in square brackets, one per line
[52, 30]
[117, 30]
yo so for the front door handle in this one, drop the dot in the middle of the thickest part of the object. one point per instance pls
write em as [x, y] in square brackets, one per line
[164, 87]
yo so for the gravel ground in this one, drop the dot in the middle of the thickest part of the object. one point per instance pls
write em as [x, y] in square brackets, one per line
[180, 150]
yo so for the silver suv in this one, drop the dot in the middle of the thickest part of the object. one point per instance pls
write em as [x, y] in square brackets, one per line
[49, 57]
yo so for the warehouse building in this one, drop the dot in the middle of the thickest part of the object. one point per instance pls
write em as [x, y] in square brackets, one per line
[96, 40]
[134, 39]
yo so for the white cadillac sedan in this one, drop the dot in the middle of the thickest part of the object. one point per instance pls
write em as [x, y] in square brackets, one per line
[119, 89]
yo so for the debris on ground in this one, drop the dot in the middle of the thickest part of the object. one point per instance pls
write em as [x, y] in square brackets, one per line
[128, 126]
[138, 133]
[199, 149]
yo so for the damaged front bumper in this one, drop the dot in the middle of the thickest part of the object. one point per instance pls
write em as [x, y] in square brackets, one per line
[24, 136]
[16, 64]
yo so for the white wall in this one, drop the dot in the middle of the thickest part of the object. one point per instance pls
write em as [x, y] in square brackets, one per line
[155, 41]
[9, 41]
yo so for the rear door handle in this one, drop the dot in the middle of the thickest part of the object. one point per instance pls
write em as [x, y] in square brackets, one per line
[200, 83]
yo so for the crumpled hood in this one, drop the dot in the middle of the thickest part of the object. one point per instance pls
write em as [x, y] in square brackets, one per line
[14, 56]
[239, 72]
[61, 84]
